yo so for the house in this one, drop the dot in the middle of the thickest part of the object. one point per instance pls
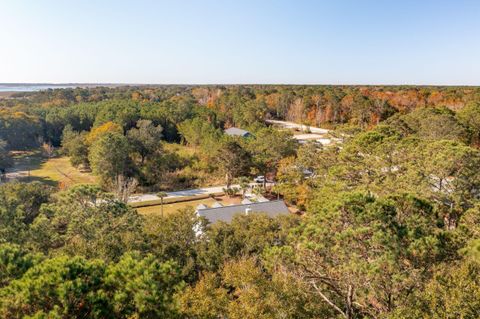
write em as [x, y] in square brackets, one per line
[226, 213]
[235, 131]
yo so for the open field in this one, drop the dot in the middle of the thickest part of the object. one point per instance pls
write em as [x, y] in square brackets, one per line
[303, 133]
[56, 171]
[181, 150]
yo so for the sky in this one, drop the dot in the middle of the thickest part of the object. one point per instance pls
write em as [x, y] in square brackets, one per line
[424, 42]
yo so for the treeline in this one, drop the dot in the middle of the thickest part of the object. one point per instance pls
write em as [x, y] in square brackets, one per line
[313, 105]
[138, 157]
[128, 143]
[43, 115]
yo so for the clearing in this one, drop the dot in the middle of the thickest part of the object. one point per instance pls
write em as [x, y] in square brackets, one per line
[55, 171]
[304, 133]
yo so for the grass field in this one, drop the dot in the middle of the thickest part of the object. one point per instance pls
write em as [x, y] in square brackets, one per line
[180, 149]
[173, 207]
[57, 171]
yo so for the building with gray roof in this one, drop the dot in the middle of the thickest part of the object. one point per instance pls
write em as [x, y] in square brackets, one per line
[235, 131]
[201, 206]
[226, 213]
[216, 205]
[246, 201]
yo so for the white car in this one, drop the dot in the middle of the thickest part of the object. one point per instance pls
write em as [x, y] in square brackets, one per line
[259, 179]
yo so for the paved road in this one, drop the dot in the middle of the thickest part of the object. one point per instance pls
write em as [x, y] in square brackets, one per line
[14, 174]
[183, 193]
[300, 127]
[316, 134]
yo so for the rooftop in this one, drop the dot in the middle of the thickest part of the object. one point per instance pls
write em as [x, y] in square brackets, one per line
[235, 131]
[226, 213]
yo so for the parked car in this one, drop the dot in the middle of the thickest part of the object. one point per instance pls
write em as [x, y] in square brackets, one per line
[307, 173]
[259, 179]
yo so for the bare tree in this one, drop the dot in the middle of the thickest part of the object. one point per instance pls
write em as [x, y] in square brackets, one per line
[296, 111]
[48, 149]
[124, 187]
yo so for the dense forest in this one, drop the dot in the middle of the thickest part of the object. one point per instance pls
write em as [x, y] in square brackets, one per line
[388, 223]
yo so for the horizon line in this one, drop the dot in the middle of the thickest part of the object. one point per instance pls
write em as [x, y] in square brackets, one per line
[120, 84]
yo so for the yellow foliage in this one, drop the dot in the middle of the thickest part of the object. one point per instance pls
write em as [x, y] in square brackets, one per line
[96, 132]
[272, 100]
[137, 96]
[303, 193]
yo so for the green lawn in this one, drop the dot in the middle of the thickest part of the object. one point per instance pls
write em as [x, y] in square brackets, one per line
[171, 208]
[56, 171]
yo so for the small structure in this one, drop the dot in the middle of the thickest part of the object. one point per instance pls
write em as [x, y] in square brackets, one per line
[226, 213]
[235, 131]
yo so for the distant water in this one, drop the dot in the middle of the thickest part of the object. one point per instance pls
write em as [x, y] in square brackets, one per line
[34, 87]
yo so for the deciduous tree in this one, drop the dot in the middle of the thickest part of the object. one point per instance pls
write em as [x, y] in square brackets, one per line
[145, 138]
[233, 160]
[109, 157]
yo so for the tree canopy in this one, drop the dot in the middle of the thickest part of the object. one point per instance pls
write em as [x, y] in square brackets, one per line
[385, 219]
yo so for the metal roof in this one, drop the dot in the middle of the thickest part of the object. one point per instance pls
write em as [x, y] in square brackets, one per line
[201, 206]
[226, 213]
[236, 131]
[217, 204]
[261, 199]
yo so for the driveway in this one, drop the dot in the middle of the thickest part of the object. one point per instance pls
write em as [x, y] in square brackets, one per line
[301, 127]
[184, 193]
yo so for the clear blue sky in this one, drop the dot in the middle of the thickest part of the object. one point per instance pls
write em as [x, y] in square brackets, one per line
[247, 41]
